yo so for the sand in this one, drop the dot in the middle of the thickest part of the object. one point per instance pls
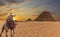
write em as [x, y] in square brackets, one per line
[35, 29]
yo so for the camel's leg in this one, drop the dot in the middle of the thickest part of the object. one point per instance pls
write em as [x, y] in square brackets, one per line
[2, 31]
[6, 33]
[11, 32]
[6, 29]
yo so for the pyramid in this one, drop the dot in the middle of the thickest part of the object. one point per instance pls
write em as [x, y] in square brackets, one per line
[45, 16]
[29, 19]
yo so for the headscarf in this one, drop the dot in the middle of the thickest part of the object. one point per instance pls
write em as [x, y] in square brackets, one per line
[10, 17]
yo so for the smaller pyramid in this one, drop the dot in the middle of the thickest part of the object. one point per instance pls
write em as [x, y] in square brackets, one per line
[45, 16]
[29, 19]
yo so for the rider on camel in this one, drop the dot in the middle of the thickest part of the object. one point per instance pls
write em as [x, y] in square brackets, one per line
[10, 18]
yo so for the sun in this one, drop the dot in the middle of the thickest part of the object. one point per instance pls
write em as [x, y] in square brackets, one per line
[14, 18]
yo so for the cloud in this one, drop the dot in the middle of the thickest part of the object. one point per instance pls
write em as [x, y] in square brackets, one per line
[3, 2]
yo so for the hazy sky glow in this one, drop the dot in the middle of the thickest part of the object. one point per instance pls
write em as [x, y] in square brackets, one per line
[30, 8]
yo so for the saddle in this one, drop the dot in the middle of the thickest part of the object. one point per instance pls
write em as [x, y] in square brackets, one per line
[11, 24]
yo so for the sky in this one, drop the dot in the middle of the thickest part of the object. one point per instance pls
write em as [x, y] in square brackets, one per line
[24, 9]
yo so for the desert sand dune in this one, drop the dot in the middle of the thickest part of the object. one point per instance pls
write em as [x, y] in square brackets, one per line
[35, 29]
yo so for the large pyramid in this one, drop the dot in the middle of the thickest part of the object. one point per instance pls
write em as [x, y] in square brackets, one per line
[45, 16]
